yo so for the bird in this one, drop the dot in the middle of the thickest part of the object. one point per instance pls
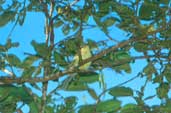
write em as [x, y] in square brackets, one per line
[85, 54]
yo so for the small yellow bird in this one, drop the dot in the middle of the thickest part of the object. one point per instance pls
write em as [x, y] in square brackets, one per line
[59, 10]
[85, 53]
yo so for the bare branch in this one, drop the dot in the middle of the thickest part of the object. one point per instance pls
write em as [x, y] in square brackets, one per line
[74, 2]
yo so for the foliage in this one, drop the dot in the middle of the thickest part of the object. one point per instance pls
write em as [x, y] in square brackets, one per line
[148, 32]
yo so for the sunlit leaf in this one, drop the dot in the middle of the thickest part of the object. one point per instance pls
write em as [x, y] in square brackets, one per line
[121, 55]
[33, 107]
[132, 108]
[108, 106]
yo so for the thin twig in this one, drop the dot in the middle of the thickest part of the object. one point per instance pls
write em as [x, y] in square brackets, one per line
[15, 24]
[74, 2]
[121, 84]
[11, 31]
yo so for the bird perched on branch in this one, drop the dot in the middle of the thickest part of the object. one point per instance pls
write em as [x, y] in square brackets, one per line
[85, 54]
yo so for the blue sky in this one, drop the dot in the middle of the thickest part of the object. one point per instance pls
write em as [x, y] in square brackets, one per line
[33, 29]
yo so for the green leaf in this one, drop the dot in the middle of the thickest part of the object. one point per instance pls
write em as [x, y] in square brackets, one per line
[109, 21]
[125, 67]
[121, 91]
[41, 49]
[141, 47]
[38, 71]
[49, 109]
[76, 86]
[163, 1]
[148, 11]
[13, 60]
[6, 17]
[9, 44]
[33, 107]
[132, 108]
[70, 101]
[149, 70]
[58, 23]
[66, 29]
[158, 79]
[10, 94]
[165, 44]
[163, 90]
[122, 55]
[59, 59]
[87, 109]
[88, 77]
[28, 72]
[167, 73]
[28, 61]
[2, 48]
[92, 93]
[166, 107]
[108, 106]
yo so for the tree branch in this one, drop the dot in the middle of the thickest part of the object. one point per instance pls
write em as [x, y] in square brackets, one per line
[8, 80]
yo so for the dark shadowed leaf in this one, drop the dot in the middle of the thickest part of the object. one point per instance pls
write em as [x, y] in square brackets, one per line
[59, 59]
[88, 77]
[121, 91]
[93, 93]
[13, 60]
[27, 72]
[6, 17]
[77, 86]
[148, 11]
[41, 48]
[9, 94]
[140, 47]
[162, 90]
[149, 70]
[28, 61]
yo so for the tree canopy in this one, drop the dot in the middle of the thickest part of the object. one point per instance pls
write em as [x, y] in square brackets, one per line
[147, 28]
